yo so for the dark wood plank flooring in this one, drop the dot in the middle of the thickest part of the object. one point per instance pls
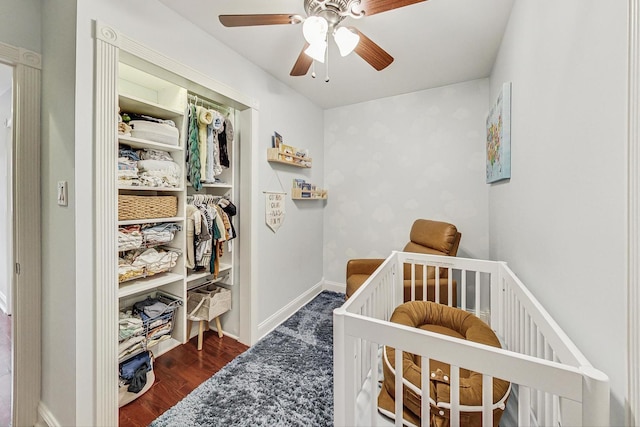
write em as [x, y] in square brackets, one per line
[5, 369]
[178, 372]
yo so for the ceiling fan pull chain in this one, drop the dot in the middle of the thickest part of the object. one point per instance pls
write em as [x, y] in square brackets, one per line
[313, 69]
[326, 61]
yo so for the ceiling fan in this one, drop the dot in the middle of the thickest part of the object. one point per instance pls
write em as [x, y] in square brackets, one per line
[324, 18]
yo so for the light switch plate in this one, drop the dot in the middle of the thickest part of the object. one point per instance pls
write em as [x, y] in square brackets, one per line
[62, 193]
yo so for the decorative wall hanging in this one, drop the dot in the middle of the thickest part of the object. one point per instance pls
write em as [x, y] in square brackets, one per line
[274, 209]
[499, 137]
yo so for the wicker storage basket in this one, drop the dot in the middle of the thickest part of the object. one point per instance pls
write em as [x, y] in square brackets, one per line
[146, 207]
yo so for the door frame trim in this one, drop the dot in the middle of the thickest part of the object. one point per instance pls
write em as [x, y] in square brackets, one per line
[26, 284]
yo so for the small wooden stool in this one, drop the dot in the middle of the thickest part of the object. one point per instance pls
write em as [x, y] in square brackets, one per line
[202, 326]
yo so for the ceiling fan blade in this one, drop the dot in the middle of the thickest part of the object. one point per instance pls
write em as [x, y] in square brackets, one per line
[371, 7]
[303, 63]
[368, 50]
[266, 19]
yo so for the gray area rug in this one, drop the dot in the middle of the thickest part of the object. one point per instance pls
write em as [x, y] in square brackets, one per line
[286, 379]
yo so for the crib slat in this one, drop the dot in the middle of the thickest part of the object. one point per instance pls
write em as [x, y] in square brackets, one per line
[437, 276]
[450, 286]
[425, 407]
[548, 397]
[477, 307]
[463, 297]
[398, 383]
[413, 282]
[454, 396]
[374, 383]
[521, 324]
[524, 406]
[487, 400]
[424, 282]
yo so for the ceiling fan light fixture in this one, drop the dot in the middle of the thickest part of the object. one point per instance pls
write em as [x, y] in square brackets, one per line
[317, 50]
[346, 40]
[315, 29]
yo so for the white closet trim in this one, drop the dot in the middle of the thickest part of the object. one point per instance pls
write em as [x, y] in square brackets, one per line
[111, 47]
[633, 279]
[26, 286]
[106, 192]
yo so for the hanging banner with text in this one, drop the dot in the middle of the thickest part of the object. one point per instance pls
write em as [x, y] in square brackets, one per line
[274, 209]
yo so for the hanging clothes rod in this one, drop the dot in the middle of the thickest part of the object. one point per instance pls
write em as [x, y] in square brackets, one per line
[204, 198]
[199, 100]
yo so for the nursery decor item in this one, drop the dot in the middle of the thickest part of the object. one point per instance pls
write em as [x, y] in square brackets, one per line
[286, 379]
[499, 137]
[274, 210]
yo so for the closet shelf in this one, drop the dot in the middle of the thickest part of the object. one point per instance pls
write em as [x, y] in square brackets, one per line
[145, 143]
[129, 103]
[151, 220]
[213, 185]
[142, 285]
[138, 188]
[192, 277]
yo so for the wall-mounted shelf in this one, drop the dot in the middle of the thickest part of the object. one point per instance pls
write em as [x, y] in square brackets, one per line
[274, 155]
[300, 194]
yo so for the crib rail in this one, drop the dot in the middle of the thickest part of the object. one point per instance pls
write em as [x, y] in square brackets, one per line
[552, 382]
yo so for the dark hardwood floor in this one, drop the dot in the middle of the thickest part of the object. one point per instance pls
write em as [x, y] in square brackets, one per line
[5, 369]
[178, 372]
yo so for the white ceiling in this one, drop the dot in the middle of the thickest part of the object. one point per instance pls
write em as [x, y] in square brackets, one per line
[434, 43]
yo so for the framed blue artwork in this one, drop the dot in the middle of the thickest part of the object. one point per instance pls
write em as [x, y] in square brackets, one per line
[499, 137]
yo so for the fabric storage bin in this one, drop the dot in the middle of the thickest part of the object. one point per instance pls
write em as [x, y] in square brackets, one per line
[156, 132]
[207, 303]
[146, 207]
[130, 389]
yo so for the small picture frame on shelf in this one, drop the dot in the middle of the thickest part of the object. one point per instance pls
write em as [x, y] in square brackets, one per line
[277, 140]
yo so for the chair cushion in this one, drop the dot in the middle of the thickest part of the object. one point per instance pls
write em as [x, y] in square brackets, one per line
[433, 234]
[354, 282]
[455, 323]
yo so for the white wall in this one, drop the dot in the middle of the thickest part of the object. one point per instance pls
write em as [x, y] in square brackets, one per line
[5, 194]
[20, 23]
[281, 109]
[58, 223]
[394, 160]
[560, 221]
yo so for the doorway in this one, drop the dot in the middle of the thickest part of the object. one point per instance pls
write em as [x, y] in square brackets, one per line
[6, 241]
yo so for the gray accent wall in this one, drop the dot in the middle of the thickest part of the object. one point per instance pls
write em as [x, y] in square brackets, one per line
[391, 161]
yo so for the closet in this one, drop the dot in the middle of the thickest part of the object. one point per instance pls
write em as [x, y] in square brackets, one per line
[144, 190]
[176, 228]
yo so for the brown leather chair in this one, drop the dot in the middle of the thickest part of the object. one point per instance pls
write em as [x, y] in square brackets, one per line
[426, 237]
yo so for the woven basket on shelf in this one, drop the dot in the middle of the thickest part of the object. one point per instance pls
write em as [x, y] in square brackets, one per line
[145, 207]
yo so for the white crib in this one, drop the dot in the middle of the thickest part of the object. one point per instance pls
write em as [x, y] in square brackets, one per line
[552, 383]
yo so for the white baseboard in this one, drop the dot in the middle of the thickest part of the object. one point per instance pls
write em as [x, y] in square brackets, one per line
[285, 312]
[46, 418]
[334, 286]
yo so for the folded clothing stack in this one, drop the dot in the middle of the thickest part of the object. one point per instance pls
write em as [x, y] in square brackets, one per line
[127, 166]
[129, 237]
[158, 234]
[164, 132]
[146, 262]
[147, 168]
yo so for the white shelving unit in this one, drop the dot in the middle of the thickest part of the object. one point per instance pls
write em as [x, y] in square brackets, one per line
[142, 93]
